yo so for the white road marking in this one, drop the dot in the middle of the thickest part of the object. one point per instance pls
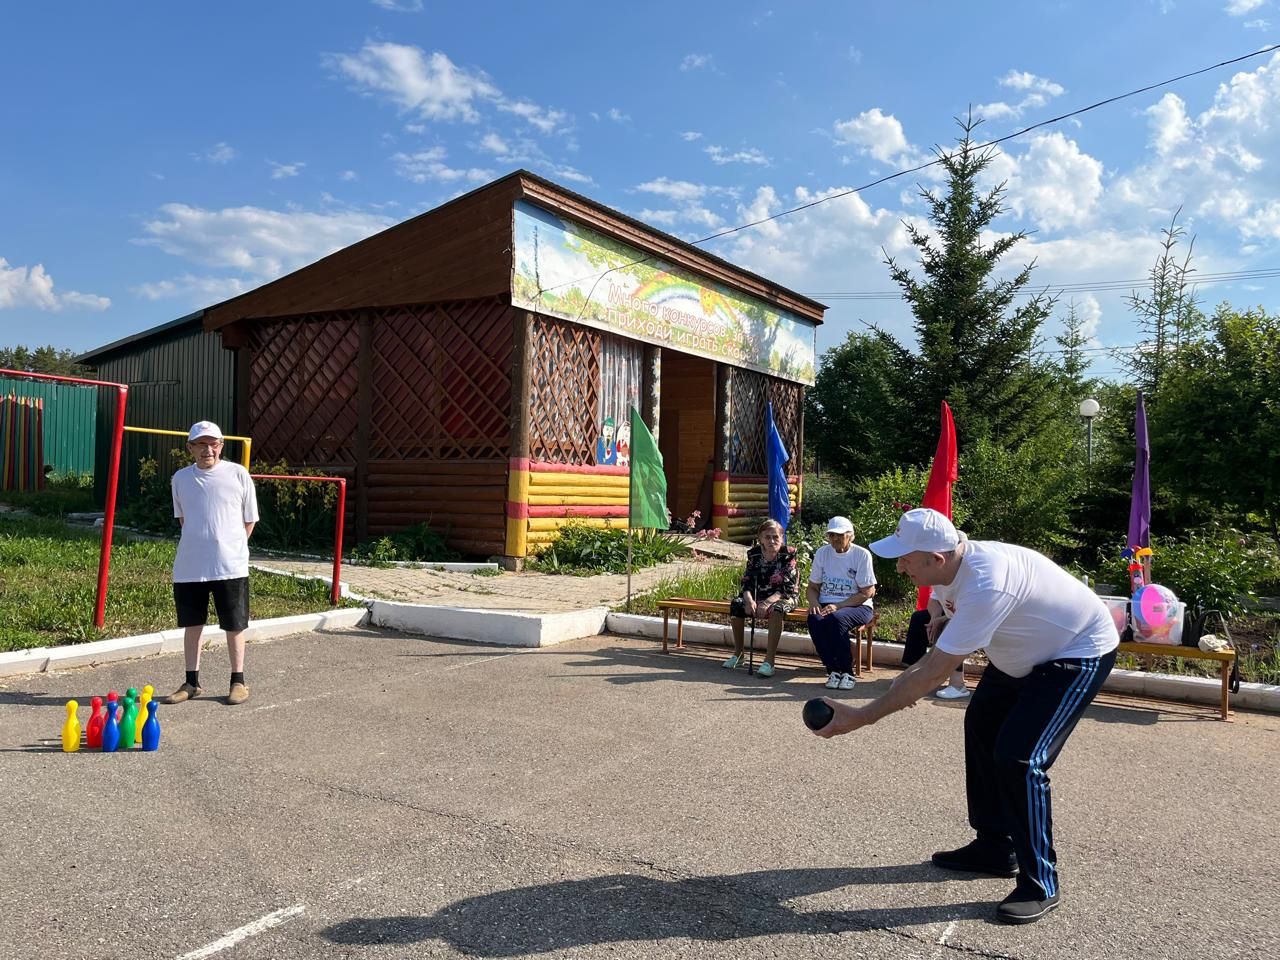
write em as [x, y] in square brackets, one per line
[258, 926]
[472, 663]
[947, 933]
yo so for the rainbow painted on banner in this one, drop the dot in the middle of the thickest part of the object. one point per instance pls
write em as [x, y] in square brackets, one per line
[21, 443]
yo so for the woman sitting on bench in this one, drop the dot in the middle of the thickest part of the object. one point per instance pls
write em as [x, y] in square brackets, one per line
[769, 590]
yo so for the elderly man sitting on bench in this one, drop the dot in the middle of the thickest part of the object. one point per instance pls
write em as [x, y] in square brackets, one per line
[841, 585]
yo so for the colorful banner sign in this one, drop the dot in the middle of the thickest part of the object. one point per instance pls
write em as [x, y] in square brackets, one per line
[568, 271]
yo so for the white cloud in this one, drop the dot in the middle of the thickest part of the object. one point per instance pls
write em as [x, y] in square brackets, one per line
[1170, 127]
[257, 242]
[680, 191]
[220, 153]
[1258, 24]
[193, 289]
[1054, 183]
[492, 143]
[430, 84]
[690, 135]
[878, 134]
[545, 120]
[617, 116]
[428, 166]
[1037, 91]
[33, 287]
[282, 171]
[666, 218]
[348, 175]
[400, 6]
[695, 61]
[750, 155]
[561, 171]
[415, 128]
[855, 54]
[1238, 8]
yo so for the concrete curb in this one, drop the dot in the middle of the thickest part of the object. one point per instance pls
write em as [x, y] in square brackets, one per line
[48, 659]
[1162, 686]
[506, 627]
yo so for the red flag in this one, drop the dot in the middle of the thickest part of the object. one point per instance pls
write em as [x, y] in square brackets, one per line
[937, 494]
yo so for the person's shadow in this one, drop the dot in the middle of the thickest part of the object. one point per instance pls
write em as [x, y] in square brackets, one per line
[624, 907]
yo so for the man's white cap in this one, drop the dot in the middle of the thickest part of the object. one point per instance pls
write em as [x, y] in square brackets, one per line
[205, 428]
[919, 529]
[840, 525]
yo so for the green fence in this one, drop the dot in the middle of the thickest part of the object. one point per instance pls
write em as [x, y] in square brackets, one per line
[70, 412]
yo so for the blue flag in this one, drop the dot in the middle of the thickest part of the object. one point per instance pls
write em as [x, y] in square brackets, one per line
[776, 457]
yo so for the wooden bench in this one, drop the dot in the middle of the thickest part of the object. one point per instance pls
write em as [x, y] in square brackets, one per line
[860, 638]
[1225, 658]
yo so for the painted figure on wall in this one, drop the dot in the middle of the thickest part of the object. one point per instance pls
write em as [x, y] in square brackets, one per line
[606, 450]
[622, 449]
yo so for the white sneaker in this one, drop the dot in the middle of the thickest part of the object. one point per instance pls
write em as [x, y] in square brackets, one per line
[847, 681]
[833, 681]
[952, 693]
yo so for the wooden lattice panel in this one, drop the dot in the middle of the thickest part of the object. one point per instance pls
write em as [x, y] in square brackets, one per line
[749, 392]
[442, 382]
[304, 378]
[564, 392]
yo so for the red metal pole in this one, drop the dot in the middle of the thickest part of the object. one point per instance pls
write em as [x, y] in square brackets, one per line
[50, 376]
[109, 517]
[337, 539]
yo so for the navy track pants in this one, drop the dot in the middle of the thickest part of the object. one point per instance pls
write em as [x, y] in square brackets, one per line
[1014, 729]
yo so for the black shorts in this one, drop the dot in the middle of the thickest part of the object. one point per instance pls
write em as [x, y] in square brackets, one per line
[230, 599]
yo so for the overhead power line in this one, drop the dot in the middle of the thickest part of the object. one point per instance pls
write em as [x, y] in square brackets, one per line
[1081, 286]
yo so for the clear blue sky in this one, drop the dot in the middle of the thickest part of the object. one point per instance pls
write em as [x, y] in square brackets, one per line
[159, 156]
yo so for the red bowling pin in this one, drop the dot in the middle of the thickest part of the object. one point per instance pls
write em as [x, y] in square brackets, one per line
[93, 732]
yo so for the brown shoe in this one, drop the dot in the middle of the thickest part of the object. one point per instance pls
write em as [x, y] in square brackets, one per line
[184, 692]
[239, 694]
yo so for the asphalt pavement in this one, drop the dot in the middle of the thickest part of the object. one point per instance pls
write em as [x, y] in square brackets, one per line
[388, 796]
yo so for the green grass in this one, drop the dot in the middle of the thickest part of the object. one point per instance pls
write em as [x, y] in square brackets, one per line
[49, 576]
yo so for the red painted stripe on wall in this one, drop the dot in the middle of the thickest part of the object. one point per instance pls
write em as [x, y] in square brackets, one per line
[577, 511]
[517, 511]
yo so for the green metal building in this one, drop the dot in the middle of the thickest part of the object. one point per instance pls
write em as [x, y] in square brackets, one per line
[177, 373]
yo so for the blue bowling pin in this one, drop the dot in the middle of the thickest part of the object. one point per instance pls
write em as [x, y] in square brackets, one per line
[151, 729]
[110, 733]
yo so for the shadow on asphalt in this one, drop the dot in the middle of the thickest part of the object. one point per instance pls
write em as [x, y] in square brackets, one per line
[626, 908]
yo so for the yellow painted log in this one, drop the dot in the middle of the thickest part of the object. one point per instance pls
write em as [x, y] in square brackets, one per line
[552, 524]
[614, 492]
[517, 538]
[578, 480]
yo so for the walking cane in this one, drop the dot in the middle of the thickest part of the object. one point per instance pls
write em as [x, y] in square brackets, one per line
[751, 654]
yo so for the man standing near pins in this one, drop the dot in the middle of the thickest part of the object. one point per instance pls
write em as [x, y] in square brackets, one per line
[217, 507]
[1050, 643]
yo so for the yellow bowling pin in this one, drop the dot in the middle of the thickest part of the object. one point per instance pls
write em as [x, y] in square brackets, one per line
[71, 729]
[147, 692]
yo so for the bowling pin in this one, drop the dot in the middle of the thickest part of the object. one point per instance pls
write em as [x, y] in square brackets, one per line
[147, 692]
[151, 729]
[93, 732]
[129, 725]
[110, 729]
[113, 701]
[71, 729]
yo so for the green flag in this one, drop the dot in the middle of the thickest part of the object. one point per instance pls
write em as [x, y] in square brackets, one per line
[648, 507]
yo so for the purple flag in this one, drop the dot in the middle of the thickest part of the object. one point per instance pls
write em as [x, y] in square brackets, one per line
[1140, 507]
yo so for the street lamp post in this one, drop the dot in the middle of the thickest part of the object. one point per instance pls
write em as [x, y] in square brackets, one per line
[1089, 409]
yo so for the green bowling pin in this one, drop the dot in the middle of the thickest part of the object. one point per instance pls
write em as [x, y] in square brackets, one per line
[129, 725]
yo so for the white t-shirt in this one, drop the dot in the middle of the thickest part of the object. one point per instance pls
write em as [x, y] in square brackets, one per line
[214, 505]
[841, 575]
[1022, 608]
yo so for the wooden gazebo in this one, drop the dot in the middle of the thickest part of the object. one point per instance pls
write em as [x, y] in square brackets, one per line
[473, 367]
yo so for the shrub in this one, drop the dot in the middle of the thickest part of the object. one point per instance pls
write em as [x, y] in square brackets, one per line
[582, 549]
[418, 542]
[62, 494]
[293, 514]
[825, 496]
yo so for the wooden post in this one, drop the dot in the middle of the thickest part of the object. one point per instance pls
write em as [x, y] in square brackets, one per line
[364, 424]
[651, 389]
[516, 506]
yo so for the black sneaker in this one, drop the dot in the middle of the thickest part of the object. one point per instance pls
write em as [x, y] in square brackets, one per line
[978, 857]
[1023, 907]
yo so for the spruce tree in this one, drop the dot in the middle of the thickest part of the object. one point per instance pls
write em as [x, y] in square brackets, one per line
[976, 347]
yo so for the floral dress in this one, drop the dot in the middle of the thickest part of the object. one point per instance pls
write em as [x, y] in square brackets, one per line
[763, 578]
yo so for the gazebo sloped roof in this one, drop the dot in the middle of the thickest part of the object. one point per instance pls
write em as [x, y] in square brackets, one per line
[463, 249]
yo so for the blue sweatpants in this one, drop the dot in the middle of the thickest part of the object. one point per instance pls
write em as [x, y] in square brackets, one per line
[1014, 728]
[830, 635]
